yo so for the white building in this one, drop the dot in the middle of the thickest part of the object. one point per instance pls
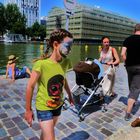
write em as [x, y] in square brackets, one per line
[30, 8]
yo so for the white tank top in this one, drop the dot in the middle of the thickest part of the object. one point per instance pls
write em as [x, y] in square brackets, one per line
[106, 57]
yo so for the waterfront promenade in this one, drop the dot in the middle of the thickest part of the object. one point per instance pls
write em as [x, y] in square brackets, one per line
[97, 126]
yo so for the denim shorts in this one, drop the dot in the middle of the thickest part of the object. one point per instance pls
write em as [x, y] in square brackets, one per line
[48, 114]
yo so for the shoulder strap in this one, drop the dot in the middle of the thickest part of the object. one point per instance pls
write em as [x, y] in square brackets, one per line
[112, 49]
[113, 54]
[114, 59]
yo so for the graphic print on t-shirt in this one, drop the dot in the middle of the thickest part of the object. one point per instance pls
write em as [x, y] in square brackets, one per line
[54, 88]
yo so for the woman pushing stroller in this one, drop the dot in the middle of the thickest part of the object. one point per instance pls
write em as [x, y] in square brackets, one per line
[93, 83]
[109, 56]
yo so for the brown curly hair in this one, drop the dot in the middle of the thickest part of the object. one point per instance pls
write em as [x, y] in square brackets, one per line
[57, 35]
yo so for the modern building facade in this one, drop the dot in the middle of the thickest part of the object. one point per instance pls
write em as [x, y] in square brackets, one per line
[89, 24]
[29, 8]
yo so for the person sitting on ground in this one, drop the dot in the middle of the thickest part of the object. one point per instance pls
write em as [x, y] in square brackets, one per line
[14, 72]
[108, 56]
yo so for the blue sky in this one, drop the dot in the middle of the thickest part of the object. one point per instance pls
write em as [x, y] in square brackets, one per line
[129, 8]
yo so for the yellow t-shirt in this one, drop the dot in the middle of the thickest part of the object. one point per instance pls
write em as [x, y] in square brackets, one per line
[66, 64]
[50, 84]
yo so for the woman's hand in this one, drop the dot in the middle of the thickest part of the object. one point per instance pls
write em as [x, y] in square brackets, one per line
[109, 63]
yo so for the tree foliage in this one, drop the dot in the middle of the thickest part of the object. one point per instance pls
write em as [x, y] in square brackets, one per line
[36, 31]
[42, 32]
[2, 19]
[29, 32]
[16, 22]
[13, 21]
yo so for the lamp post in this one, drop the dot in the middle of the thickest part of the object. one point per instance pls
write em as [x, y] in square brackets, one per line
[69, 5]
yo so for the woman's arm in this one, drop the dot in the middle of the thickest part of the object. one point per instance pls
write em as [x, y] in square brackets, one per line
[29, 94]
[6, 71]
[115, 54]
[100, 59]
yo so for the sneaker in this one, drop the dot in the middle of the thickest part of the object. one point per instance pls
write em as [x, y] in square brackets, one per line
[128, 116]
[136, 122]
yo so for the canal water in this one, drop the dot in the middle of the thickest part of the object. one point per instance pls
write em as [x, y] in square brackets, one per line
[28, 52]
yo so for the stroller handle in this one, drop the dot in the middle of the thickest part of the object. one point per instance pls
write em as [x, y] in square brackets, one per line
[112, 65]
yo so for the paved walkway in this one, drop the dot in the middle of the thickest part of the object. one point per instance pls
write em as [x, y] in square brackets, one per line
[97, 126]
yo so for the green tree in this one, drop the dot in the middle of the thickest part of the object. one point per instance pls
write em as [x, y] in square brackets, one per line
[19, 27]
[29, 32]
[16, 22]
[39, 31]
[42, 32]
[35, 29]
[2, 19]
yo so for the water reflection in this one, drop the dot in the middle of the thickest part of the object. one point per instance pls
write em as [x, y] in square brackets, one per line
[28, 52]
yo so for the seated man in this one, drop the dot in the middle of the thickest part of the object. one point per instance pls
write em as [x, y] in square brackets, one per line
[14, 72]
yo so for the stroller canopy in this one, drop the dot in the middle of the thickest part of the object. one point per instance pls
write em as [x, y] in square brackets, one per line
[94, 68]
[101, 68]
[88, 73]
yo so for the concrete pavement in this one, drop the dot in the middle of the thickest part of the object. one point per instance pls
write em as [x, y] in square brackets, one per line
[96, 126]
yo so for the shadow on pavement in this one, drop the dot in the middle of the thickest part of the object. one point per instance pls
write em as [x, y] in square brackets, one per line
[135, 107]
[109, 99]
[123, 99]
[79, 135]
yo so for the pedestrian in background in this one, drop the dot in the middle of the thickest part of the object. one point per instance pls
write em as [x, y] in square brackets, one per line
[130, 55]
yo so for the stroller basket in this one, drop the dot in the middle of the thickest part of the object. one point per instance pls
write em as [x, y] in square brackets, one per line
[85, 79]
[87, 74]
[82, 66]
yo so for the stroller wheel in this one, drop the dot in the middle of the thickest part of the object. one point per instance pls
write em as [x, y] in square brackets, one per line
[65, 107]
[81, 117]
[103, 109]
[66, 104]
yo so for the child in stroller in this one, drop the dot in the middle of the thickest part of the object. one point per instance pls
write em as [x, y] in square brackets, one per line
[93, 84]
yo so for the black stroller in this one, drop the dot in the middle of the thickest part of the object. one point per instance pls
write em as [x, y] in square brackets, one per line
[92, 84]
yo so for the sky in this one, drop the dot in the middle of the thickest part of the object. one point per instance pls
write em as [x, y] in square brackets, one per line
[128, 8]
